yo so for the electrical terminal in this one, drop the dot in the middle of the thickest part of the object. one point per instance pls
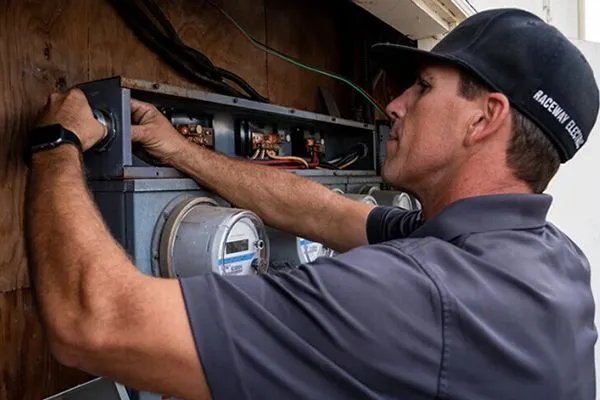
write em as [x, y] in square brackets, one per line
[266, 142]
[197, 134]
[314, 145]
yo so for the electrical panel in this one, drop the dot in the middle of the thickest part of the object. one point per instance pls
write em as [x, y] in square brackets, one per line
[139, 198]
[328, 149]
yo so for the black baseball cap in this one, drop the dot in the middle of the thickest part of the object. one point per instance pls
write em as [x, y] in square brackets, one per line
[540, 71]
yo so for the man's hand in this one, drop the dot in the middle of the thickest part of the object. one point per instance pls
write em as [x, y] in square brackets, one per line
[72, 111]
[154, 132]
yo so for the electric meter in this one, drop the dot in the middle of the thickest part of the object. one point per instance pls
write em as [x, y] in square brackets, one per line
[394, 198]
[201, 237]
[288, 251]
[362, 198]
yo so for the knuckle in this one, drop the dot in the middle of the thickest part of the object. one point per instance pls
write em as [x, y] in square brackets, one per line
[152, 110]
[75, 94]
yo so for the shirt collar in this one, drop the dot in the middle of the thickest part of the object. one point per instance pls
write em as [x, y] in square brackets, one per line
[487, 213]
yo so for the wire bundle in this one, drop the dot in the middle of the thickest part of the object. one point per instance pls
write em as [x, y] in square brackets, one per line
[285, 162]
[357, 152]
[152, 27]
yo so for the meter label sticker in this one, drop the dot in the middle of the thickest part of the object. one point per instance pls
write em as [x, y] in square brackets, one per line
[234, 265]
[312, 250]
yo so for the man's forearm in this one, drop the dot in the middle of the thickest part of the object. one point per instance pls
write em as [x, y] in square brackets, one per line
[71, 252]
[282, 199]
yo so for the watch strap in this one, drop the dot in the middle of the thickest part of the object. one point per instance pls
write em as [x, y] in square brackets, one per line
[51, 136]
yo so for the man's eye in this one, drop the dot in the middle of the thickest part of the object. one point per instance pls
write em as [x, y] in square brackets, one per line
[423, 85]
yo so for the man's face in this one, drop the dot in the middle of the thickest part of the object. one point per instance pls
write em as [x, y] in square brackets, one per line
[429, 122]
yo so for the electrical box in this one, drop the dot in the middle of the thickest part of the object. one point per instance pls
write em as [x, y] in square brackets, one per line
[140, 200]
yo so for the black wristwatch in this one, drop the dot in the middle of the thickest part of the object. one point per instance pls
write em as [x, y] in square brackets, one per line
[51, 136]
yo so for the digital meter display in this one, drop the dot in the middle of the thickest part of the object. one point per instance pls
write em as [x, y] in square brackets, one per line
[236, 246]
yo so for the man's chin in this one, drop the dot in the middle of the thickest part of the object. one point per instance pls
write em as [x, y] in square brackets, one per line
[394, 178]
[389, 176]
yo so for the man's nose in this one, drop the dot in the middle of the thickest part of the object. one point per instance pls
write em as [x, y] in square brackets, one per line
[397, 108]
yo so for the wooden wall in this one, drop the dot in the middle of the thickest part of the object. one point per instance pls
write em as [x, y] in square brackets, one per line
[48, 45]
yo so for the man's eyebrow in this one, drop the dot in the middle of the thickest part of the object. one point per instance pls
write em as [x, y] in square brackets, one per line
[426, 75]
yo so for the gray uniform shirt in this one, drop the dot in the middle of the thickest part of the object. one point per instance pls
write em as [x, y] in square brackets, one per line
[485, 301]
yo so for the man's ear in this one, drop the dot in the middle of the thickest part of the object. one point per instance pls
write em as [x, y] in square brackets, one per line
[493, 112]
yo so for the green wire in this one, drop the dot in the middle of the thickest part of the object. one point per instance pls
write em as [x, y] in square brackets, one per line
[298, 63]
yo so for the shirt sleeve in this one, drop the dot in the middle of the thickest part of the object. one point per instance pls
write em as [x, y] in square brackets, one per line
[364, 324]
[389, 223]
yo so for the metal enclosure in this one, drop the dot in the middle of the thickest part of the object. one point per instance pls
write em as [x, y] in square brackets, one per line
[133, 196]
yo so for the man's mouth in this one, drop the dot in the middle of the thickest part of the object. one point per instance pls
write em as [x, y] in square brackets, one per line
[394, 133]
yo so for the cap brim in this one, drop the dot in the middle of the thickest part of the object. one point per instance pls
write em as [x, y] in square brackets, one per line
[403, 62]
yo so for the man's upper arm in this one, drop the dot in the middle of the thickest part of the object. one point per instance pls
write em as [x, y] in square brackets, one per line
[152, 347]
[366, 323]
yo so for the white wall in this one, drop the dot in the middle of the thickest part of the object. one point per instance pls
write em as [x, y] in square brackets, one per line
[592, 27]
[561, 13]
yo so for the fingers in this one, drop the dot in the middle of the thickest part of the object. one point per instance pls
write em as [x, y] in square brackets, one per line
[142, 112]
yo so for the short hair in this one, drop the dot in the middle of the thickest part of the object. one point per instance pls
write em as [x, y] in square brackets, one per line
[530, 155]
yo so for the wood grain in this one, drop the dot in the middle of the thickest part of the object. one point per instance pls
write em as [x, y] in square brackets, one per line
[310, 32]
[27, 369]
[37, 56]
[114, 50]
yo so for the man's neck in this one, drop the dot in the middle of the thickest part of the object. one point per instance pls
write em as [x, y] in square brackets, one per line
[466, 185]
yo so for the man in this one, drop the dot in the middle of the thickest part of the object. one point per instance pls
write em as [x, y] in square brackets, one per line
[483, 299]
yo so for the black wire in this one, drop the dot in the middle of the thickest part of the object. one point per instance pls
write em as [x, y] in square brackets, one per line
[156, 12]
[149, 35]
[160, 17]
[243, 84]
[143, 28]
[187, 61]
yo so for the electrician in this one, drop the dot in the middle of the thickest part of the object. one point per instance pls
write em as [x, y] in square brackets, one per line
[477, 298]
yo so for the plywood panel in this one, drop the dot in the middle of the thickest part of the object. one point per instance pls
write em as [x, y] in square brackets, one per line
[27, 369]
[309, 31]
[41, 49]
[116, 51]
